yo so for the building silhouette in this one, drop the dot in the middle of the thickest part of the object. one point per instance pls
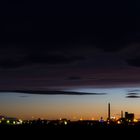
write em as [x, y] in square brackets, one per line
[129, 116]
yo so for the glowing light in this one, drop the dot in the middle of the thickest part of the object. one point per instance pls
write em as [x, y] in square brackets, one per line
[81, 119]
[65, 122]
[118, 122]
[3, 118]
[135, 120]
[92, 119]
[20, 121]
[0, 121]
[7, 121]
[113, 117]
[14, 122]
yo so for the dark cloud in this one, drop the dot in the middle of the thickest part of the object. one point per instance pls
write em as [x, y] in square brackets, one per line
[132, 93]
[53, 92]
[45, 48]
[35, 59]
[131, 53]
[134, 62]
[134, 90]
[68, 8]
[12, 63]
[111, 33]
[18, 26]
[54, 59]
[74, 78]
[132, 96]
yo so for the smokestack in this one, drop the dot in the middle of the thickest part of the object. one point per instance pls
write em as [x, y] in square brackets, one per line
[108, 111]
[121, 114]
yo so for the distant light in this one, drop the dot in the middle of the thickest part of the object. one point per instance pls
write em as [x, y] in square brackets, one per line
[14, 122]
[65, 122]
[7, 121]
[118, 122]
[20, 121]
[60, 119]
[3, 118]
[113, 117]
[92, 119]
[81, 119]
[0, 121]
[135, 120]
[108, 122]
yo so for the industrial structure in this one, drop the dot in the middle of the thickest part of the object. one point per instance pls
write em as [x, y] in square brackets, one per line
[108, 119]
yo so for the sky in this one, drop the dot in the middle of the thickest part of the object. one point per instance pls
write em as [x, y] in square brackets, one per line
[51, 52]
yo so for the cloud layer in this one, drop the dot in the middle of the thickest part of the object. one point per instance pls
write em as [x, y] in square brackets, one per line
[133, 95]
[51, 92]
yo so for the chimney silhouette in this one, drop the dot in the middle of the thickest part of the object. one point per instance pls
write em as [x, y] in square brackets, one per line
[121, 114]
[108, 111]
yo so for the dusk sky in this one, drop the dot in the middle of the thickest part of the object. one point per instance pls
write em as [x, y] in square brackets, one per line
[69, 61]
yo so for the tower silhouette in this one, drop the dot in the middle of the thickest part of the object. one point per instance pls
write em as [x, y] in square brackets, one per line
[121, 114]
[109, 111]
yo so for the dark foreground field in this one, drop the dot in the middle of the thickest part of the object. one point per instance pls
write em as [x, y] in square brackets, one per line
[70, 132]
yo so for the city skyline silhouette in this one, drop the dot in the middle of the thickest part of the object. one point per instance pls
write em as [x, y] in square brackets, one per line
[86, 106]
